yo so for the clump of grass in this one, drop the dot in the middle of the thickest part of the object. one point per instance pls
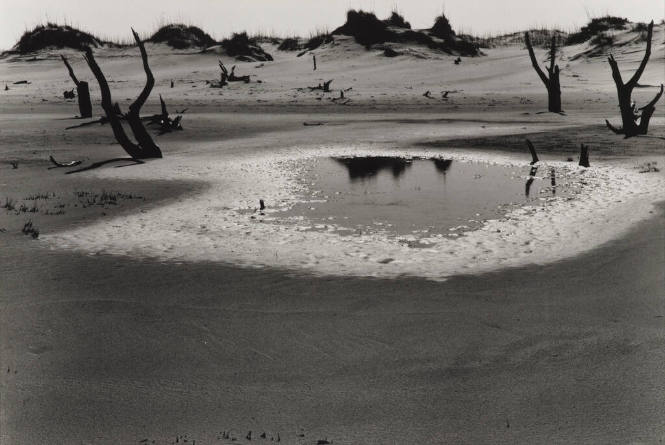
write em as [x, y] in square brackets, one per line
[289, 44]
[365, 28]
[397, 20]
[595, 27]
[648, 167]
[30, 229]
[180, 36]
[10, 204]
[43, 196]
[602, 40]
[53, 35]
[243, 48]
[14, 164]
[317, 39]
[104, 198]
[442, 28]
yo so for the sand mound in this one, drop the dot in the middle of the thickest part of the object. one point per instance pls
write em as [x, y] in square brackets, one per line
[368, 30]
[52, 35]
[181, 36]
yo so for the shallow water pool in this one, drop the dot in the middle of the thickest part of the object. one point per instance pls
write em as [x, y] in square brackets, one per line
[408, 196]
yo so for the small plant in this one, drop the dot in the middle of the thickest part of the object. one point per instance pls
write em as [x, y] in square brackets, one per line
[30, 229]
[10, 204]
[37, 196]
[14, 164]
[648, 167]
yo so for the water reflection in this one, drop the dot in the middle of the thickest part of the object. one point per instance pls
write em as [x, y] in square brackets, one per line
[532, 175]
[442, 165]
[368, 167]
[365, 168]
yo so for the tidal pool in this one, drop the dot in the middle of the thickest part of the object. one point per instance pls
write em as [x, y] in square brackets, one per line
[408, 196]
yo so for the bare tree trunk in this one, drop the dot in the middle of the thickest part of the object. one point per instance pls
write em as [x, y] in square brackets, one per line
[145, 148]
[552, 82]
[584, 156]
[82, 91]
[629, 115]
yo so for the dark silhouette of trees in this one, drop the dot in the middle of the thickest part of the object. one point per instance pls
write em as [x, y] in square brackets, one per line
[629, 114]
[551, 80]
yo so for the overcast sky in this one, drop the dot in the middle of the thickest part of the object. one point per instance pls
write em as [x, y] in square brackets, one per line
[112, 18]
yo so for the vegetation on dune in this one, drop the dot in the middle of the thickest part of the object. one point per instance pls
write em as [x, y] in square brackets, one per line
[53, 35]
[397, 20]
[595, 27]
[442, 28]
[180, 36]
[289, 44]
[243, 48]
[368, 30]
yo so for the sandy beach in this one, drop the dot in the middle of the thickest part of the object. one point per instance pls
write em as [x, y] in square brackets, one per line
[152, 308]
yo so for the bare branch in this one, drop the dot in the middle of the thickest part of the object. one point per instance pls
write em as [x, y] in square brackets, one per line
[135, 107]
[69, 68]
[534, 62]
[636, 77]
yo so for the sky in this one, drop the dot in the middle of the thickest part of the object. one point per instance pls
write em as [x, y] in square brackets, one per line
[113, 18]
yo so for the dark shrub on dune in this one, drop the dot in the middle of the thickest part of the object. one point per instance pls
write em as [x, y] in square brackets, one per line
[318, 40]
[289, 44]
[595, 27]
[55, 36]
[181, 36]
[397, 21]
[243, 48]
[365, 28]
[442, 28]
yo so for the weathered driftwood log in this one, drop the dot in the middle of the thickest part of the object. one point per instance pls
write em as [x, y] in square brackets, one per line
[82, 90]
[166, 124]
[63, 164]
[145, 147]
[534, 156]
[325, 86]
[234, 78]
[551, 80]
[584, 155]
[629, 115]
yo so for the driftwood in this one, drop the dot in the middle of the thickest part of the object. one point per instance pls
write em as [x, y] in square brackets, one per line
[325, 86]
[145, 147]
[314, 60]
[230, 77]
[82, 90]
[532, 150]
[584, 155]
[69, 94]
[63, 164]
[629, 115]
[551, 80]
[166, 124]
[458, 60]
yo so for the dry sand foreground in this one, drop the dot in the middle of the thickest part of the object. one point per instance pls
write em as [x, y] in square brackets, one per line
[118, 349]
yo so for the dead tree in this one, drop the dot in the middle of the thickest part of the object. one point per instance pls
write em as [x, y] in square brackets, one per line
[82, 90]
[552, 81]
[166, 124]
[584, 156]
[145, 147]
[529, 181]
[630, 116]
